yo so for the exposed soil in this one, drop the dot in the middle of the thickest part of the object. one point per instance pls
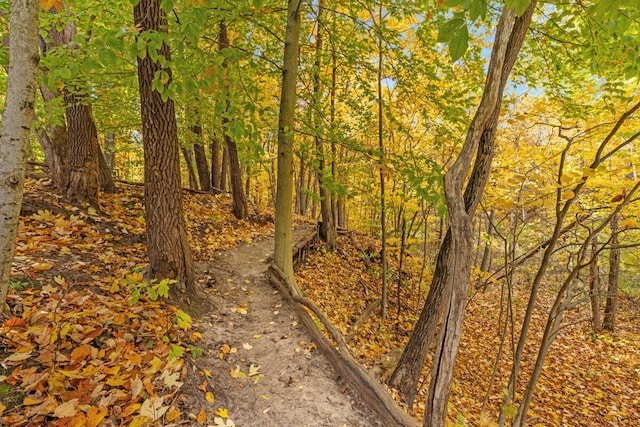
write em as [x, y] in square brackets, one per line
[263, 367]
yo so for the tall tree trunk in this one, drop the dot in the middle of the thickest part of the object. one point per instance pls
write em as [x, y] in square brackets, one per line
[594, 286]
[383, 218]
[405, 377]
[611, 307]
[328, 227]
[302, 191]
[215, 165]
[16, 124]
[283, 257]
[167, 244]
[84, 181]
[485, 264]
[54, 138]
[224, 172]
[188, 160]
[235, 172]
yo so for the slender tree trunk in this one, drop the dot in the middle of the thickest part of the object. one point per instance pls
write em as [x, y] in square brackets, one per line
[188, 160]
[110, 152]
[283, 257]
[301, 194]
[202, 165]
[485, 264]
[84, 181]
[215, 165]
[594, 287]
[611, 307]
[167, 244]
[327, 227]
[224, 172]
[235, 172]
[405, 377]
[17, 115]
[105, 173]
[383, 214]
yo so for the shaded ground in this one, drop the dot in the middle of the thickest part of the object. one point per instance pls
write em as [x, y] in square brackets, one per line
[263, 368]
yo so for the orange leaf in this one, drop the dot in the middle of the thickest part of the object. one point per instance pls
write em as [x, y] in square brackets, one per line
[202, 416]
[14, 322]
[81, 352]
[95, 416]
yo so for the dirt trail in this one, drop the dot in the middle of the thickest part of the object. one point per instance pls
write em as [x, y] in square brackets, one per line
[272, 376]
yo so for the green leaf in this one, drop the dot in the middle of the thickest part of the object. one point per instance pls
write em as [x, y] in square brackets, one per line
[477, 9]
[167, 6]
[449, 29]
[519, 5]
[459, 43]
[176, 352]
[107, 57]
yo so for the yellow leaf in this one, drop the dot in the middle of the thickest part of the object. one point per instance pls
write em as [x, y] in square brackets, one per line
[207, 373]
[95, 416]
[114, 288]
[222, 413]
[567, 195]
[28, 401]
[629, 223]
[42, 266]
[256, 336]
[2, 408]
[59, 280]
[210, 398]
[139, 421]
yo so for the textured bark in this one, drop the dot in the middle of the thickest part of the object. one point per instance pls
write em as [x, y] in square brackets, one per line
[16, 123]
[167, 244]
[84, 182]
[54, 138]
[283, 257]
[611, 307]
[224, 172]
[202, 165]
[235, 173]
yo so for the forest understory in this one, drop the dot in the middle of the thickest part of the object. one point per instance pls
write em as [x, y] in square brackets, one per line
[87, 342]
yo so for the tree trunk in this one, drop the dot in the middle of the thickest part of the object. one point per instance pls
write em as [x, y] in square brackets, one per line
[405, 377]
[105, 172]
[485, 264]
[224, 172]
[188, 160]
[302, 190]
[54, 139]
[383, 219]
[167, 244]
[611, 307]
[594, 287]
[84, 181]
[283, 257]
[327, 227]
[17, 116]
[110, 152]
[215, 165]
[237, 191]
[202, 165]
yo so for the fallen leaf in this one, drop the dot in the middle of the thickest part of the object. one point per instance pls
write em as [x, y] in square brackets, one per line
[210, 398]
[153, 409]
[66, 409]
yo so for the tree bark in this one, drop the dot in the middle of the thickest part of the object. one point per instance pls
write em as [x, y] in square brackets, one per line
[167, 244]
[405, 377]
[17, 116]
[235, 173]
[594, 287]
[283, 257]
[611, 307]
[215, 165]
[202, 165]
[84, 181]
[327, 227]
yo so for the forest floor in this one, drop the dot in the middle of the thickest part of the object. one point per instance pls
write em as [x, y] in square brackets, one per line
[87, 342]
